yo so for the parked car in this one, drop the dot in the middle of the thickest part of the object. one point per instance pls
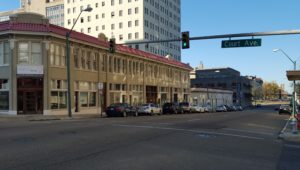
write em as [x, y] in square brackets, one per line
[233, 108]
[228, 108]
[207, 108]
[185, 107]
[149, 109]
[172, 108]
[285, 109]
[121, 109]
[197, 108]
[239, 108]
[221, 109]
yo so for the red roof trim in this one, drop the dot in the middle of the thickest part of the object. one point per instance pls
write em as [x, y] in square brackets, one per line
[7, 25]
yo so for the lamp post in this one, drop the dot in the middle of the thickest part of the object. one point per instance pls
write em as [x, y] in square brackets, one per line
[292, 118]
[88, 9]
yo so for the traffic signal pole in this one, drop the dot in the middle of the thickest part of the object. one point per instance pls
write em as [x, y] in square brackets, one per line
[284, 32]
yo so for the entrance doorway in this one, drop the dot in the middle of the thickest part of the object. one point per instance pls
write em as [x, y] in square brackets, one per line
[30, 95]
[151, 94]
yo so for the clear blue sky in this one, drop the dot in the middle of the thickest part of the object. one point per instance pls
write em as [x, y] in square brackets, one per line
[213, 17]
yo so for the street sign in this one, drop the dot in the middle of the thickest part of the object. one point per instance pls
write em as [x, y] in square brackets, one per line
[241, 43]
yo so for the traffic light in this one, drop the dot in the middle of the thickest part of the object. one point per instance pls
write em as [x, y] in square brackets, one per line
[185, 39]
[112, 45]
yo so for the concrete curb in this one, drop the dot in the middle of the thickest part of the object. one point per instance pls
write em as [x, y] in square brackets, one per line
[33, 118]
[287, 135]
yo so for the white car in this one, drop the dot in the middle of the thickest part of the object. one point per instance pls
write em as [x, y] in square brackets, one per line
[208, 108]
[197, 108]
[149, 109]
[221, 109]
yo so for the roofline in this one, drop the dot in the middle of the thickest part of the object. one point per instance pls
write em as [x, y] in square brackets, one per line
[41, 29]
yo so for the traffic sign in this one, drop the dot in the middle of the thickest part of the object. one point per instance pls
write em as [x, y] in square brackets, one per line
[241, 43]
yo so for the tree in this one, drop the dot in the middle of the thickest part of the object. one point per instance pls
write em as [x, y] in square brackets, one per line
[271, 90]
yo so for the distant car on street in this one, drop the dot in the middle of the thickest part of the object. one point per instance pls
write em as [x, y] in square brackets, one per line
[197, 108]
[121, 109]
[285, 109]
[221, 109]
[185, 107]
[208, 108]
[239, 108]
[171, 108]
[149, 109]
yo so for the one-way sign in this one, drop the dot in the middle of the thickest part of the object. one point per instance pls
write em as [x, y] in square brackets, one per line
[241, 43]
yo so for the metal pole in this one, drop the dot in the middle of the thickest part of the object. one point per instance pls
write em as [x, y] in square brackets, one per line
[68, 62]
[68, 74]
[293, 119]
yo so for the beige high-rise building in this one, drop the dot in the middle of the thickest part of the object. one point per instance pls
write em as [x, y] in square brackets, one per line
[130, 20]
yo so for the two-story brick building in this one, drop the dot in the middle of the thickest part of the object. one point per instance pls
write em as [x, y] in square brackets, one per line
[33, 74]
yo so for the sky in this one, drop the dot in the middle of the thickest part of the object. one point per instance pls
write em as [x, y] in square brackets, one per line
[215, 17]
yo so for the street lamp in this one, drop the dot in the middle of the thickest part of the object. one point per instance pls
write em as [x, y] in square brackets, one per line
[292, 118]
[88, 9]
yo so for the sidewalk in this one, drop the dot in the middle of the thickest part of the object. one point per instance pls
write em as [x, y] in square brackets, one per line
[4, 118]
[287, 135]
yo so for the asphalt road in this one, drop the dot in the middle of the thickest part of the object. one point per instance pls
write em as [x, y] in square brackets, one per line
[232, 140]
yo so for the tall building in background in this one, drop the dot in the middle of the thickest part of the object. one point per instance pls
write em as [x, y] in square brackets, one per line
[130, 20]
[52, 9]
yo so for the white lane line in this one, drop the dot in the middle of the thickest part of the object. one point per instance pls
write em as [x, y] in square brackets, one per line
[194, 131]
[194, 120]
[159, 123]
[249, 131]
[292, 146]
[261, 126]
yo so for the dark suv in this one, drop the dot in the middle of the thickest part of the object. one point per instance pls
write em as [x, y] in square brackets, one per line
[285, 109]
[121, 109]
[172, 108]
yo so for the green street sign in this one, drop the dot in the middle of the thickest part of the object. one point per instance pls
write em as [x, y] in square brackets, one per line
[241, 43]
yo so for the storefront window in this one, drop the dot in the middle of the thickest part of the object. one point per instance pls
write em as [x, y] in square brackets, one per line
[62, 100]
[58, 100]
[4, 100]
[54, 100]
[84, 99]
[92, 99]
[4, 94]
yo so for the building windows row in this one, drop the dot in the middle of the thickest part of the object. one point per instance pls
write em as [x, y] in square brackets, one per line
[85, 59]
[86, 91]
[4, 53]
[136, 35]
